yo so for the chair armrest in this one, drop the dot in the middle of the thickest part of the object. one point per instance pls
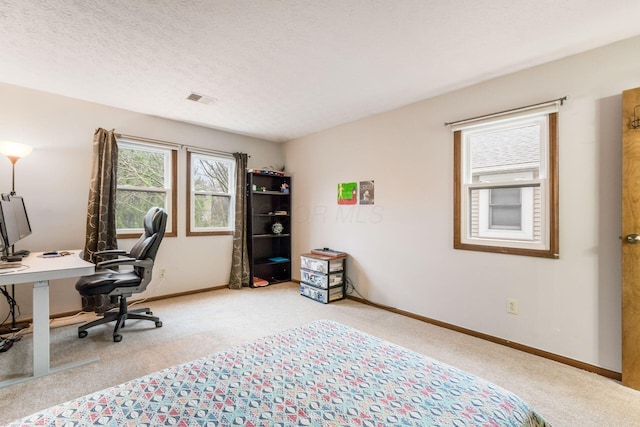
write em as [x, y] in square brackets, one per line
[108, 255]
[144, 263]
[111, 252]
[114, 262]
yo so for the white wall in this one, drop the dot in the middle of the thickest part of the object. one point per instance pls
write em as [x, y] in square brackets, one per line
[54, 180]
[401, 248]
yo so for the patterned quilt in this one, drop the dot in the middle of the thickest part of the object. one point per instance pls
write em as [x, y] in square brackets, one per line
[319, 374]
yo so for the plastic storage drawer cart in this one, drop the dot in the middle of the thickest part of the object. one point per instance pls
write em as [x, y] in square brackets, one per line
[322, 277]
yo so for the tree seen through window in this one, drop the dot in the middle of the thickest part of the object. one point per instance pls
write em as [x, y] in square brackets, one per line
[144, 181]
[211, 190]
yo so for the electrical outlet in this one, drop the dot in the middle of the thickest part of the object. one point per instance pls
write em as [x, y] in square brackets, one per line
[512, 306]
[162, 273]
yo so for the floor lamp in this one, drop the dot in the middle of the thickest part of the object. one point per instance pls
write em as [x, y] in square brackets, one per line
[14, 151]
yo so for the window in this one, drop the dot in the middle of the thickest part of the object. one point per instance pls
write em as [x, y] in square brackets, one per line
[504, 212]
[506, 192]
[505, 209]
[211, 188]
[146, 178]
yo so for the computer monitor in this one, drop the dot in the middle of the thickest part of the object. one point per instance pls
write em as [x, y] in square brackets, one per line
[22, 219]
[14, 221]
[10, 232]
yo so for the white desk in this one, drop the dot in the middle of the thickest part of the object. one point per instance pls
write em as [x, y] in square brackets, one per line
[39, 271]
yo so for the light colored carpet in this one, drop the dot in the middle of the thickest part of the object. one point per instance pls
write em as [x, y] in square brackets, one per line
[197, 325]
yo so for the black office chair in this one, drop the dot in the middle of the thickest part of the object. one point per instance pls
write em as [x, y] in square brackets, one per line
[118, 285]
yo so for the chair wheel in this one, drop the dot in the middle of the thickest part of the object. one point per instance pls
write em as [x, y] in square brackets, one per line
[82, 334]
[117, 338]
[159, 324]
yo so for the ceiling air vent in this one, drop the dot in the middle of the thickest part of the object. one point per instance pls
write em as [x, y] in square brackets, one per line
[202, 99]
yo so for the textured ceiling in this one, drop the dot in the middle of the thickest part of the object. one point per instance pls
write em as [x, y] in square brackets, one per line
[282, 69]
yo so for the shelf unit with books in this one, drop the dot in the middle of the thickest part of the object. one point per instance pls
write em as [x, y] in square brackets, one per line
[269, 227]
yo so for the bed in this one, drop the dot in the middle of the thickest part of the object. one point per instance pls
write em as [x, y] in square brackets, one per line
[319, 374]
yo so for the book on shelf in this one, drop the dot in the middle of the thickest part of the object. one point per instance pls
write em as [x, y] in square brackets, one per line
[278, 259]
[266, 171]
[276, 213]
[258, 281]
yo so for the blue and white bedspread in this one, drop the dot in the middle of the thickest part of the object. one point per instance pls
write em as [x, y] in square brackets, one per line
[320, 374]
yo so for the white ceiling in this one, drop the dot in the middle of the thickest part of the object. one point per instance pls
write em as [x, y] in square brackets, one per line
[281, 69]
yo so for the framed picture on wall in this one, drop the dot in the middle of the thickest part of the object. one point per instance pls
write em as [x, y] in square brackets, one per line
[366, 192]
[348, 193]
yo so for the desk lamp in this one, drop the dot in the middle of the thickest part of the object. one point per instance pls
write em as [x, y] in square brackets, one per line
[14, 151]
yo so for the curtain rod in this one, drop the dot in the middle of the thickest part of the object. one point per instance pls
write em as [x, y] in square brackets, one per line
[564, 98]
[173, 144]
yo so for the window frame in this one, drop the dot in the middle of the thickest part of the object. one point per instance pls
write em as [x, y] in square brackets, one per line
[191, 193]
[549, 197]
[171, 176]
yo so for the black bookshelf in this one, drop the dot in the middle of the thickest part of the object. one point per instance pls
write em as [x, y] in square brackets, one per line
[269, 227]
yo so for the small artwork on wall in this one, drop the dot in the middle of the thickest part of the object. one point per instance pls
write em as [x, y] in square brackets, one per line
[348, 193]
[366, 192]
